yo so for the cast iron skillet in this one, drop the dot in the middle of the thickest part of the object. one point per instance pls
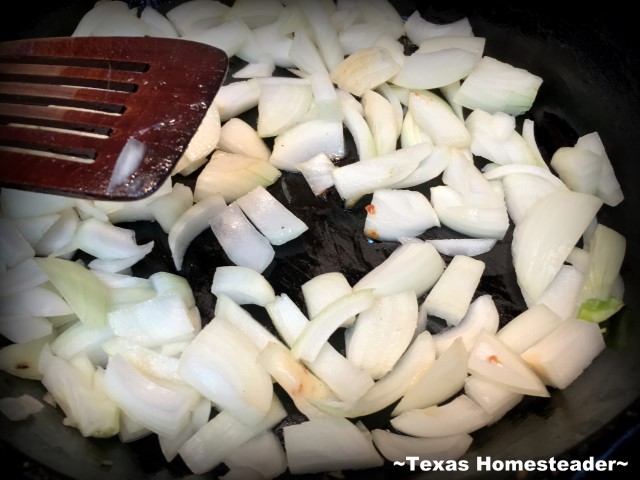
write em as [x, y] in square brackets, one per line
[590, 84]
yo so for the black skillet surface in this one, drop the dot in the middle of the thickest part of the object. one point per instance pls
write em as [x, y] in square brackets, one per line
[590, 72]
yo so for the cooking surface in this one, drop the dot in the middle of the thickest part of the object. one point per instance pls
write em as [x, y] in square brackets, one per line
[587, 86]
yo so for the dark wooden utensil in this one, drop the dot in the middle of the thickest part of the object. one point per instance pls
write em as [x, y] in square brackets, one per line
[69, 105]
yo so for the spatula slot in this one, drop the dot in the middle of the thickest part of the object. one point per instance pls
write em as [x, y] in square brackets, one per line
[108, 64]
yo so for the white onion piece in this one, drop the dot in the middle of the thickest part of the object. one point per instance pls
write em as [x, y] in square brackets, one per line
[277, 223]
[127, 163]
[233, 175]
[304, 54]
[546, 236]
[460, 415]
[243, 285]
[493, 361]
[268, 39]
[153, 322]
[436, 118]
[227, 309]
[562, 295]
[222, 435]
[360, 132]
[358, 36]
[79, 339]
[482, 316]
[397, 448]
[606, 250]
[190, 224]
[382, 13]
[326, 100]
[465, 178]
[36, 302]
[494, 137]
[158, 24]
[106, 241]
[470, 247]
[255, 13]
[236, 98]
[608, 188]
[281, 106]
[412, 266]
[382, 333]
[329, 444]
[242, 386]
[115, 265]
[435, 69]
[418, 29]
[495, 399]
[411, 134]
[26, 274]
[83, 291]
[58, 239]
[318, 172]
[495, 86]
[528, 327]
[528, 134]
[168, 208]
[195, 15]
[199, 418]
[22, 359]
[240, 240]
[364, 70]
[295, 379]
[345, 380]
[19, 408]
[323, 32]
[449, 92]
[33, 228]
[24, 328]
[429, 168]
[522, 191]
[469, 43]
[25, 204]
[414, 362]
[327, 321]
[324, 289]
[479, 222]
[14, 247]
[162, 408]
[144, 359]
[579, 169]
[262, 456]
[228, 36]
[441, 381]
[306, 140]
[237, 136]
[398, 114]
[360, 178]
[130, 430]
[398, 213]
[165, 283]
[96, 15]
[451, 296]
[555, 359]
[377, 112]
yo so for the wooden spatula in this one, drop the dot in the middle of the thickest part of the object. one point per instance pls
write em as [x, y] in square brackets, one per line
[69, 106]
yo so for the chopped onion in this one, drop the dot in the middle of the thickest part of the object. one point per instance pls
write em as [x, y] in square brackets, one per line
[22, 359]
[304, 54]
[470, 247]
[528, 327]
[451, 296]
[26, 274]
[495, 399]
[58, 239]
[562, 295]
[236, 98]
[318, 172]
[398, 213]
[397, 448]
[418, 29]
[436, 118]
[306, 140]
[281, 106]
[228, 36]
[606, 251]
[435, 69]
[243, 285]
[495, 86]
[364, 70]
[608, 188]
[255, 13]
[240, 240]
[555, 358]
[14, 249]
[190, 224]
[80, 339]
[33, 228]
[411, 134]
[222, 435]
[579, 169]
[412, 266]
[25, 204]
[24, 328]
[325, 36]
[168, 208]
[85, 293]
[460, 415]
[328, 444]
[158, 24]
[546, 236]
[271, 217]
[441, 381]
[127, 163]
[36, 302]
[469, 43]
[237, 136]
[106, 241]
[261, 456]
[429, 168]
